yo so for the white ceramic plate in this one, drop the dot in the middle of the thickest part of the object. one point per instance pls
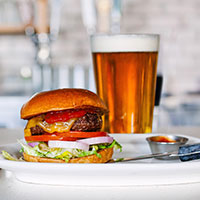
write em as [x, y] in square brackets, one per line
[144, 172]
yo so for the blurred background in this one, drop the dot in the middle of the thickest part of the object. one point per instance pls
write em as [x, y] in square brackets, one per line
[44, 44]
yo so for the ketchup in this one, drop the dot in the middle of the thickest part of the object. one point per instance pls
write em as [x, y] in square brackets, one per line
[63, 116]
[163, 139]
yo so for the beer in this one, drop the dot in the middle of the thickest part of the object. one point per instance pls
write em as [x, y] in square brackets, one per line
[125, 72]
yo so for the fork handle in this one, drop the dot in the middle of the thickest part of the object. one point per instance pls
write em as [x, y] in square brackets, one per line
[187, 149]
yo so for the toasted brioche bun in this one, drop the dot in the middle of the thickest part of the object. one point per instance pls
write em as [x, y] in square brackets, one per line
[106, 155]
[61, 99]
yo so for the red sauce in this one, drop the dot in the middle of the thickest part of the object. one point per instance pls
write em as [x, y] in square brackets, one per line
[162, 139]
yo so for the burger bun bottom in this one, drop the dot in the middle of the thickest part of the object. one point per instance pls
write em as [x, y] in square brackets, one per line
[106, 155]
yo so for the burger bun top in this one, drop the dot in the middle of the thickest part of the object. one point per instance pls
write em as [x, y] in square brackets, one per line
[61, 99]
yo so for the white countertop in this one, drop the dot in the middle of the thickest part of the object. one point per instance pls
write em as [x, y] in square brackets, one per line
[10, 188]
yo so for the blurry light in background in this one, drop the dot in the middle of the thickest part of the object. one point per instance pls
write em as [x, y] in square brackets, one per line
[103, 11]
[25, 72]
[43, 53]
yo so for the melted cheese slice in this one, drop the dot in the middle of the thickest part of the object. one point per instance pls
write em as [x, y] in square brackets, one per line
[49, 128]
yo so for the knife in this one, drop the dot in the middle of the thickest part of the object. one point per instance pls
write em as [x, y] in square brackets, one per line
[184, 153]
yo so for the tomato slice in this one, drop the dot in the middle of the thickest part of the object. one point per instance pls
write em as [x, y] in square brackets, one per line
[47, 137]
[68, 136]
[63, 116]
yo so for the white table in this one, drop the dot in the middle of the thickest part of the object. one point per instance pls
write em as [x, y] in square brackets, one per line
[10, 188]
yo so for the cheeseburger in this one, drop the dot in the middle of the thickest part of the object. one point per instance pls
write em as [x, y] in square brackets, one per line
[64, 125]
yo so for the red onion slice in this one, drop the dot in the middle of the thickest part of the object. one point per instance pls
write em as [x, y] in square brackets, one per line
[68, 145]
[32, 144]
[96, 140]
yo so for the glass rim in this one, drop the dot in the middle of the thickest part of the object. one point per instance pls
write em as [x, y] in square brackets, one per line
[125, 34]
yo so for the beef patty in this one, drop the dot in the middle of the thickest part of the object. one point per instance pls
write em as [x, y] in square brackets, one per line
[89, 122]
[37, 130]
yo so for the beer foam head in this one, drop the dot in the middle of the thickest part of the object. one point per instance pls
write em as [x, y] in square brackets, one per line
[125, 43]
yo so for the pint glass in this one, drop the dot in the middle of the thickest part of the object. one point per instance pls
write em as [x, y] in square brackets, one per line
[125, 68]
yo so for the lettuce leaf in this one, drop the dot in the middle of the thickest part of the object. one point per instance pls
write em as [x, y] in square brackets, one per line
[8, 156]
[43, 150]
[114, 144]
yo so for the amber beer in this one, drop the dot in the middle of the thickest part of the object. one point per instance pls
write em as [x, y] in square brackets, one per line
[125, 71]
